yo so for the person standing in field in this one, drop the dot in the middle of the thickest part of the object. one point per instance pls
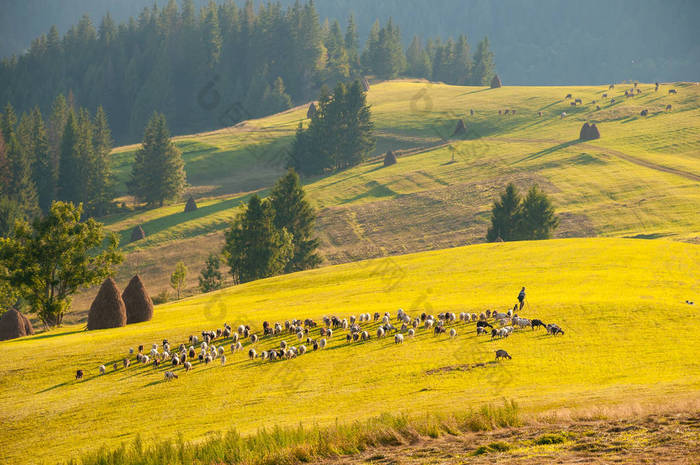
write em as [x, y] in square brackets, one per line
[521, 298]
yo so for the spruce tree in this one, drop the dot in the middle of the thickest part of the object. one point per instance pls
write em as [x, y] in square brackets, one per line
[483, 68]
[294, 213]
[70, 165]
[506, 215]
[101, 189]
[21, 187]
[417, 60]
[44, 172]
[158, 171]
[210, 278]
[275, 99]
[5, 175]
[538, 218]
[254, 247]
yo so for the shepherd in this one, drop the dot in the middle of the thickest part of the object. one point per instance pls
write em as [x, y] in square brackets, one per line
[521, 298]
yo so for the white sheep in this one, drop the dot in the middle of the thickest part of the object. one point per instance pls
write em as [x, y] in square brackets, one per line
[453, 333]
[411, 332]
[188, 366]
[252, 354]
[241, 329]
[302, 349]
[385, 320]
[398, 338]
[169, 376]
[221, 351]
[429, 324]
[283, 345]
[322, 343]
[145, 359]
[223, 360]
[234, 337]
[102, 369]
[380, 332]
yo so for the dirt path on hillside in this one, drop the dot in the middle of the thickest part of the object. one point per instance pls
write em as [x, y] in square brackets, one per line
[617, 153]
[652, 439]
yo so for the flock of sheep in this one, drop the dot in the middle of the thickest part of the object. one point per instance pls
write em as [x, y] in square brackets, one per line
[210, 346]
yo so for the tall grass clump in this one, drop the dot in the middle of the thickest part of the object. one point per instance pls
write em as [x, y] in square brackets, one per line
[303, 444]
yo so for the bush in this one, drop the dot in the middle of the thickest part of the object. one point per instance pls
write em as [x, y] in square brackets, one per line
[161, 298]
[499, 446]
[552, 438]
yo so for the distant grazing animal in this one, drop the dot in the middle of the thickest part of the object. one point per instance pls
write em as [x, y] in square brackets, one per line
[252, 354]
[512, 111]
[669, 107]
[573, 104]
[644, 112]
[605, 95]
[79, 374]
[188, 366]
[483, 324]
[169, 376]
[126, 362]
[539, 113]
[554, 330]
[322, 344]
[612, 100]
[471, 112]
[567, 96]
[398, 338]
[481, 330]
[102, 369]
[453, 333]
[578, 101]
[380, 332]
[499, 112]
[672, 91]
[563, 114]
[505, 112]
[537, 323]
[597, 107]
[500, 353]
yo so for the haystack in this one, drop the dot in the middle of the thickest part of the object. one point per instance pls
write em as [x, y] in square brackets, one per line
[583, 135]
[137, 234]
[311, 111]
[365, 84]
[594, 133]
[13, 324]
[389, 158]
[495, 82]
[461, 128]
[108, 309]
[139, 306]
[191, 205]
[589, 132]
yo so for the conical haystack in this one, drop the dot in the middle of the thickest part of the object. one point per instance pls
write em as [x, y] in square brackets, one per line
[139, 306]
[13, 324]
[389, 158]
[311, 111]
[191, 205]
[137, 234]
[496, 82]
[460, 128]
[583, 135]
[365, 84]
[108, 309]
[594, 133]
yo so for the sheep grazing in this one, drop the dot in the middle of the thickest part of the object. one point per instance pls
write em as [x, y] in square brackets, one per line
[578, 101]
[398, 338]
[411, 332]
[380, 332]
[568, 96]
[102, 369]
[169, 376]
[500, 353]
[554, 330]
[512, 111]
[322, 344]
[223, 360]
[385, 320]
[539, 113]
[376, 316]
[131, 351]
[612, 100]
[644, 112]
[672, 91]
[481, 330]
[207, 359]
[315, 345]
[505, 112]
[563, 114]
[471, 112]
[453, 333]
[175, 361]
[329, 333]
[126, 362]
[188, 366]
[605, 95]
[499, 112]
[597, 107]
[156, 364]
[474, 317]
[573, 104]
[669, 107]
[252, 354]
[115, 366]
[253, 338]
[483, 324]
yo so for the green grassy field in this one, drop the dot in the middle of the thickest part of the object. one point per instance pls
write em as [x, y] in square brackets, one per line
[640, 179]
[630, 338]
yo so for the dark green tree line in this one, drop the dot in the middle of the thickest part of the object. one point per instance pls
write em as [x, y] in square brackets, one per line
[514, 218]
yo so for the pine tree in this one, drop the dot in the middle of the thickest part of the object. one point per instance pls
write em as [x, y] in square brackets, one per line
[275, 99]
[210, 278]
[483, 68]
[352, 43]
[158, 171]
[5, 174]
[538, 218]
[417, 60]
[506, 215]
[294, 213]
[69, 182]
[369, 55]
[357, 139]
[254, 248]
[212, 35]
[463, 62]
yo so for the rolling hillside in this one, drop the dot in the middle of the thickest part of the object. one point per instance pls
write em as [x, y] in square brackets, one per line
[641, 179]
[613, 297]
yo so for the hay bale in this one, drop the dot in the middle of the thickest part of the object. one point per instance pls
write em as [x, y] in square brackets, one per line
[496, 82]
[139, 306]
[593, 132]
[365, 84]
[389, 158]
[13, 325]
[583, 135]
[311, 112]
[191, 205]
[137, 234]
[461, 128]
[108, 309]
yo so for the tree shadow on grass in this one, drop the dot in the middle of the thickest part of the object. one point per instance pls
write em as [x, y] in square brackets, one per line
[43, 336]
[549, 150]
